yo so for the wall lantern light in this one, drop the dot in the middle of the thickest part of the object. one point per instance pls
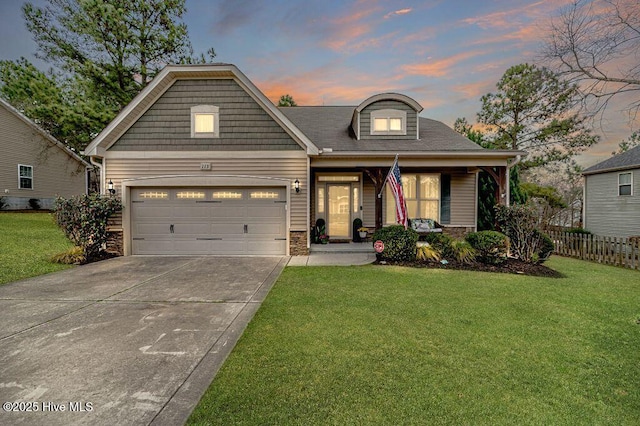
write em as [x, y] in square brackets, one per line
[110, 187]
[296, 185]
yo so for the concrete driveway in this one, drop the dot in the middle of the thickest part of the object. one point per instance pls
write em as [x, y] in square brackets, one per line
[131, 340]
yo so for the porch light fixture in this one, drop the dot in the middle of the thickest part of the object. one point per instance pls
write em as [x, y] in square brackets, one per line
[296, 185]
[110, 187]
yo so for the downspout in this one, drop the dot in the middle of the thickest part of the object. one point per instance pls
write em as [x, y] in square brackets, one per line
[508, 177]
[101, 174]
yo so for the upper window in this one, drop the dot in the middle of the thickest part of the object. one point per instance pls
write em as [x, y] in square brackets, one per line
[388, 122]
[625, 183]
[205, 121]
[25, 177]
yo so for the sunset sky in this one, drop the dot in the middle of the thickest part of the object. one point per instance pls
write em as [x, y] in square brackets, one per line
[445, 54]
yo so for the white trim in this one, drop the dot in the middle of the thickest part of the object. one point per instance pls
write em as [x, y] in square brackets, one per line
[212, 110]
[123, 155]
[32, 177]
[630, 173]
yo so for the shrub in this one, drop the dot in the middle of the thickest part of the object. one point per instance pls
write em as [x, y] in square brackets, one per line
[442, 243]
[399, 243]
[578, 231]
[3, 203]
[546, 247]
[427, 252]
[491, 246]
[73, 256]
[84, 219]
[463, 252]
[34, 203]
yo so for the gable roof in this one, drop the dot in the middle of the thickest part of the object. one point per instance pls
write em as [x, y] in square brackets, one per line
[626, 160]
[329, 127]
[165, 79]
[43, 132]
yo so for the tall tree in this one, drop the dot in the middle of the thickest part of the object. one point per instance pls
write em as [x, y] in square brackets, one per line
[287, 101]
[631, 142]
[534, 110]
[104, 52]
[596, 43]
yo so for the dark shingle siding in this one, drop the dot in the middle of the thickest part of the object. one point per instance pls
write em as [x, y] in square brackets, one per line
[629, 159]
[244, 125]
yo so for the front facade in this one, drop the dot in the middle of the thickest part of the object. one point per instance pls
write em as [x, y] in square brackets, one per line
[206, 164]
[34, 165]
[612, 196]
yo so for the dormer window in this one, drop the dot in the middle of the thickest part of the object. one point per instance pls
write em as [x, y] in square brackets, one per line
[205, 121]
[388, 122]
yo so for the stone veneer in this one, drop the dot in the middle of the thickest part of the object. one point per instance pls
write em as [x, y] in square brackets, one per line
[298, 243]
[115, 241]
[456, 231]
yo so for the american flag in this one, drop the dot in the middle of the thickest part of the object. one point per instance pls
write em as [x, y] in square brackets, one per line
[395, 183]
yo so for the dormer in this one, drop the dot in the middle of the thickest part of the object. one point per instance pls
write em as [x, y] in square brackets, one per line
[387, 116]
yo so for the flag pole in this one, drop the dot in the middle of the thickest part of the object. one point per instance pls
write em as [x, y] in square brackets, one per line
[387, 176]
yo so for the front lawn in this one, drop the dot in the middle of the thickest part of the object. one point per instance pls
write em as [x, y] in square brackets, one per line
[27, 241]
[395, 345]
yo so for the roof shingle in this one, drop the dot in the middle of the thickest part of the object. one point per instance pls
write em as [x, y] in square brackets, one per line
[626, 160]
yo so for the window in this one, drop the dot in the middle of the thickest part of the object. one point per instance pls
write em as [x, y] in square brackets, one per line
[154, 194]
[190, 195]
[25, 177]
[264, 195]
[231, 195]
[388, 122]
[625, 181]
[422, 195]
[205, 121]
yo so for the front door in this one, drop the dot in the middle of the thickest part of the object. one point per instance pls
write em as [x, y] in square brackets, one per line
[339, 211]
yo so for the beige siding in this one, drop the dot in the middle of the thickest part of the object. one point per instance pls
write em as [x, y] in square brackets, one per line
[608, 214]
[463, 199]
[285, 168]
[54, 171]
[368, 203]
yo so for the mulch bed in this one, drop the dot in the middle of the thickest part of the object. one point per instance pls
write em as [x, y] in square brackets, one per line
[510, 266]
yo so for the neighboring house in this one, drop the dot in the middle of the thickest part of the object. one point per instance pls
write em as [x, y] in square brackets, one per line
[206, 164]
[34, 165]
[612, 196]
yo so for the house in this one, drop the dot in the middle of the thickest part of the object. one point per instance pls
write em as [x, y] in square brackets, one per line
[612, 196]
[34, 165]
[206, 164]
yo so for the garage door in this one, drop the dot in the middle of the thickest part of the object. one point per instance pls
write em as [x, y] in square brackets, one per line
[222, 221]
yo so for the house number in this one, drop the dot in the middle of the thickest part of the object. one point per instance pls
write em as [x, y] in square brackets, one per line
[205, 166]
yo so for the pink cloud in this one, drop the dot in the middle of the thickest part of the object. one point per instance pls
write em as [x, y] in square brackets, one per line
[439, 68]
[398, 13]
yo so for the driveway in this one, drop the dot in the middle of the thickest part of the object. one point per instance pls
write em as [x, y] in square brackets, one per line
[131, 340]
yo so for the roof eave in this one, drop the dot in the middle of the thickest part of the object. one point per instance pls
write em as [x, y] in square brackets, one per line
[488, 153]
[611, 169]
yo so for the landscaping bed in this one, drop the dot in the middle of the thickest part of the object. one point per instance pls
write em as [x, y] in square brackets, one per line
[509, 266]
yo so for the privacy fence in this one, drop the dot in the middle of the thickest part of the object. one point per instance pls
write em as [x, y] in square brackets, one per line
[623, 252]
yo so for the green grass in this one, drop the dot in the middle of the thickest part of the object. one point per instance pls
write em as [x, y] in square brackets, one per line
[393, 345]
[27, 241]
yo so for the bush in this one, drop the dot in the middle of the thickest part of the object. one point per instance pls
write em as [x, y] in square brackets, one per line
[34, 203]
[578, 231]
[463, 252]
[491, 246]
[546, 247]
[3, 203]
[442, 243]
[73, 256]
[427, 252]
[399, 243]
[84, 219]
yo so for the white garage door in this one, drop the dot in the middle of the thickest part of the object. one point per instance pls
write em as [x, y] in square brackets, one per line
[222, 221]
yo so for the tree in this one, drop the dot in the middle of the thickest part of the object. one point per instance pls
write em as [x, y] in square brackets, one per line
[286, 101]
[534, 110]
[631, 142]
[597, 44]
[103, 53]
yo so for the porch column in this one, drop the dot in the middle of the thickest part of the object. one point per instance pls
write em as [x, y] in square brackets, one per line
[501, 176]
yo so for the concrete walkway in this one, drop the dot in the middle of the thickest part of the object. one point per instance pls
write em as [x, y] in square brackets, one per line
[131, 340]
[332, 259]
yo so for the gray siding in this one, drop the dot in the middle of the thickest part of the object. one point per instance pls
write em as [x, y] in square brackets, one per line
[608, 214]
[368, 203]
[54, 171]
[463, 199]
[412, 120]
[289, 168]
[244, 125]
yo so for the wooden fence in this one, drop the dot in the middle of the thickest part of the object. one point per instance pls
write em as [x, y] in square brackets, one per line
[608, 250]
